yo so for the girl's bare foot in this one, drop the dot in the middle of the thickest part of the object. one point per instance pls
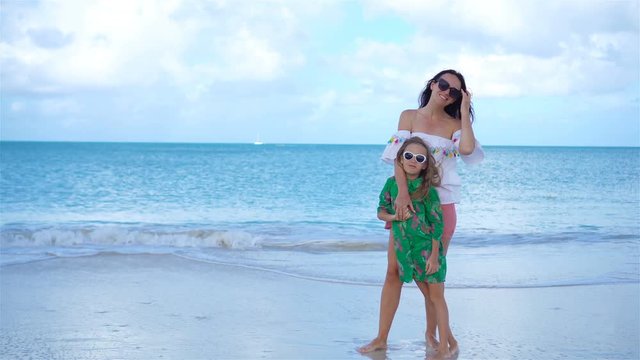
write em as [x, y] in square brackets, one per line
[375, 345]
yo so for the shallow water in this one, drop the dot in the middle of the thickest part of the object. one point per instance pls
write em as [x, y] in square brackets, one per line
[530, 216]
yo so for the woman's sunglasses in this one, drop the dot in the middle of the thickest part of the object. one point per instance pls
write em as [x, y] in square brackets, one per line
[419, 157]
[443, 85]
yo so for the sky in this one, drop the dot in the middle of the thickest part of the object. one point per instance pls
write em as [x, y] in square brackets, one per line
[544, 73]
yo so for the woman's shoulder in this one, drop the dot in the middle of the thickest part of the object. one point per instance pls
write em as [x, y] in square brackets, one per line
[406, 119]
[408, 112]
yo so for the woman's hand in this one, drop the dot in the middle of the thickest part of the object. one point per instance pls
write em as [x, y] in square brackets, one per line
[466, 100]
[432, 265]
[404, 215]
[403, 205]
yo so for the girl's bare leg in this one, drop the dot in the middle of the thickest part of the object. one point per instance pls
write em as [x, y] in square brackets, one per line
[449, 218]
[389, 300]
[430, 336]
[448, 344]
[432, 319]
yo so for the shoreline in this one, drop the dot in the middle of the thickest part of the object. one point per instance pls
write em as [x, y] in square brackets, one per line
[165, 306]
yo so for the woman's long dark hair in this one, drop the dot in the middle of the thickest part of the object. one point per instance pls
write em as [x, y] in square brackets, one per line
[452, 109]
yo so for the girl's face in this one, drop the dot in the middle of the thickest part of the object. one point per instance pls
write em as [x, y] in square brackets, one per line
[411, 158]
[446, 90]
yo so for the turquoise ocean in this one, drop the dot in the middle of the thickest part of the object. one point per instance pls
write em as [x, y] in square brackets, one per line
[529, 216]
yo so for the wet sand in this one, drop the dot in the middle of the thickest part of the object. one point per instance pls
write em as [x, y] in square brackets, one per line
[166, 307]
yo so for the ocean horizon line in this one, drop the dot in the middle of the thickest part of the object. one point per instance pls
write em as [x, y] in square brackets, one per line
[296, 144]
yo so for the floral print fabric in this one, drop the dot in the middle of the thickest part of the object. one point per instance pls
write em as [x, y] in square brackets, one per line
[413, 238]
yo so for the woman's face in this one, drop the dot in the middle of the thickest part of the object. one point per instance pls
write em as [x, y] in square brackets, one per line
[411, 166]
[446, 89]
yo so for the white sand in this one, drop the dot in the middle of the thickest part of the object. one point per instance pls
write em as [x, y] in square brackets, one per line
[165, 307]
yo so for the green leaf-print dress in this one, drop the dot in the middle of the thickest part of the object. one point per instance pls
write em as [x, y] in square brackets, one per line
[412, 239]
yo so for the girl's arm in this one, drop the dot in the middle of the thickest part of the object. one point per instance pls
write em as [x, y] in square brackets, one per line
[434, 217]
[385, 205]
[385, 216]
[433, 265]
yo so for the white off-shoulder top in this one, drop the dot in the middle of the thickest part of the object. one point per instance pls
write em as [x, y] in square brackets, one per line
[445, 151]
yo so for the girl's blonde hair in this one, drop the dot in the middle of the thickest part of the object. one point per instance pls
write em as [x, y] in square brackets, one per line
[430, 175]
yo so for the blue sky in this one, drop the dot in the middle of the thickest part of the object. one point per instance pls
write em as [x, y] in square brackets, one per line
[563, 73]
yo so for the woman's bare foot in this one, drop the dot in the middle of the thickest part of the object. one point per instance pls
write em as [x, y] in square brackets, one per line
[442, 352]
[375, 345]
[432, 342]
[453, 346]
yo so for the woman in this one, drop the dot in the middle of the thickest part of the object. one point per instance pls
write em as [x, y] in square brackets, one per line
[443, 121]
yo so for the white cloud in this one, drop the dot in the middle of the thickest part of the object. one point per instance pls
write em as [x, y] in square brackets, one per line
[193, 69]
[505, 48]
[109, 43]
[61, 46]
[508, 48]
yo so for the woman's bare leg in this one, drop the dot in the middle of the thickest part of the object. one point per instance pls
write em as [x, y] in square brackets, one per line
[450, 220]
[389, 300]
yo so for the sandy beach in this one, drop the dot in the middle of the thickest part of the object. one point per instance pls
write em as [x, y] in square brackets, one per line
[166, 307]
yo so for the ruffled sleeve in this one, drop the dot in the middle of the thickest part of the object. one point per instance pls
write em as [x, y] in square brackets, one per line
[475, 157]
[393, 145]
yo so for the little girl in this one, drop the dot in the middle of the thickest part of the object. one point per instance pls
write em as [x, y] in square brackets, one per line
[417, 241]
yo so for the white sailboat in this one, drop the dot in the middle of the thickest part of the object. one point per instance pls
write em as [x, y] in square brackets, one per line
[258, 141]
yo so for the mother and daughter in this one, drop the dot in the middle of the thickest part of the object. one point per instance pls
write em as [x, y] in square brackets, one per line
[418, 202]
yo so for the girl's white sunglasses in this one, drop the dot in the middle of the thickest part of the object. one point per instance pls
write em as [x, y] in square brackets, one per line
[419, 157]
